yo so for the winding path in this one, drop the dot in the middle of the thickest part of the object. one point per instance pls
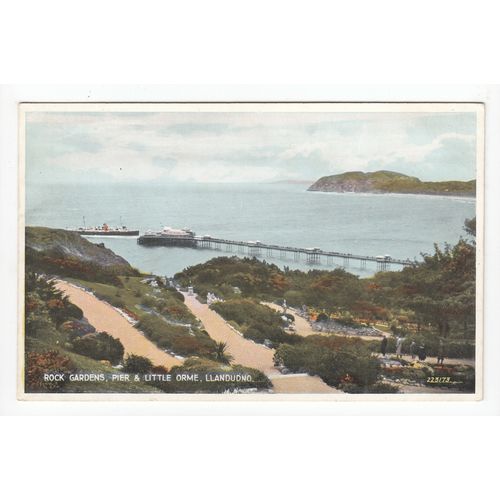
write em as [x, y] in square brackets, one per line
[105, 318]
[245, 352]
[248, 353]
[302, 326]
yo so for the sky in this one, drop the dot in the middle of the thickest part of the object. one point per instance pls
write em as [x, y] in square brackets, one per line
[103, 147]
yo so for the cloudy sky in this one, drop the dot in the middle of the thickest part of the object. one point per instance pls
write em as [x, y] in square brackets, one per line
[245, 146]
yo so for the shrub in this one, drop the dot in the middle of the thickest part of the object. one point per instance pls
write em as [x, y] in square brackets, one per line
[100, 346]
[40, 363]
[137, 364]
[77, 328]
[73, 311]
[336, 360]
[255, 321]
[321, 317]
[382, 388]
[176, 294]
[202, 366]
[148, 301]
[176, 338]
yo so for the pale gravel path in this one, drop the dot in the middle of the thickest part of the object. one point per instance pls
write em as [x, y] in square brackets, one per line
[105, 318]
[248, 353]
[304, 329]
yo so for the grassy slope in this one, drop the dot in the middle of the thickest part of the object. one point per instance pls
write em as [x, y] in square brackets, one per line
[84, 364]
[162, 315]
[133, 293]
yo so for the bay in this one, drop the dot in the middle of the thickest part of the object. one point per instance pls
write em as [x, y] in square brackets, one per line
[403, 226]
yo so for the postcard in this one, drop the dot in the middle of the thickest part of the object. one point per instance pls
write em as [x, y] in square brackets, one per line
[251, 251]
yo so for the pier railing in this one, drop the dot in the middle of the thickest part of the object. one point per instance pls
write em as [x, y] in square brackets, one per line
[258, 249]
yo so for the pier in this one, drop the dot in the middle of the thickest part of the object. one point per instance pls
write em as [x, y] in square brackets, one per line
[311, 256]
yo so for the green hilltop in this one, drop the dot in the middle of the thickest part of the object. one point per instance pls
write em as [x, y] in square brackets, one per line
[385, 181]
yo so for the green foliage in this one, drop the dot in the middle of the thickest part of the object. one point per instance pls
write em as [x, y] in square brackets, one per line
[382, 388]
[43, 298]
[220, 275]
[49, 348]
[201, 367]
[255, 321]
[100, 346]
[148, 301]
[470, 227]
[137, 364]
[439, 291]
[178, 339]
[135, 295]
[220, 353]
[336, 360]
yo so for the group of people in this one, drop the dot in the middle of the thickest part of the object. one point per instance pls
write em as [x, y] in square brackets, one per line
[211, 298]
[415, 350]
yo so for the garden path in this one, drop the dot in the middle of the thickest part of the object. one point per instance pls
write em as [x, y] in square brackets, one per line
[248, 353]
[104, 318]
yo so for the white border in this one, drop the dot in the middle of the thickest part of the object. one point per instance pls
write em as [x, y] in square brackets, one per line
[477, 94]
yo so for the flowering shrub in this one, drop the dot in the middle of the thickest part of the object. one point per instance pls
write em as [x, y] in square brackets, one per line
[39, 364]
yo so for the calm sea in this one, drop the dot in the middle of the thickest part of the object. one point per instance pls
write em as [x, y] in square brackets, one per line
[402, 226]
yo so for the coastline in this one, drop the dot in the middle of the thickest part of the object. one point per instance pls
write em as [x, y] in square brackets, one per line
[443, 196]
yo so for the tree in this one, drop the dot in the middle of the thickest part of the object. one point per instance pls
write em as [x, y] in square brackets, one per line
[440, 290]
[470, 226]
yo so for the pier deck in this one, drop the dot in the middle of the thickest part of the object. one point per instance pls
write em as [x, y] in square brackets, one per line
[259, 249]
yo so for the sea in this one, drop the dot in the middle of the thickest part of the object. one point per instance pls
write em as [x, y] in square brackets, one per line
[399, 225]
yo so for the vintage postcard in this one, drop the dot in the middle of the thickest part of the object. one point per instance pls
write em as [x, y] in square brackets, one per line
[251, 251]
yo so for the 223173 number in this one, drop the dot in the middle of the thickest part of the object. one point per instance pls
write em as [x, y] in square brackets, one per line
[438, 380]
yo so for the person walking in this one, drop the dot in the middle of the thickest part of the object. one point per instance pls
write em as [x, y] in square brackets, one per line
[383, 346]
[399, 346]
[413, 346]
[440, 353]
[421, 353]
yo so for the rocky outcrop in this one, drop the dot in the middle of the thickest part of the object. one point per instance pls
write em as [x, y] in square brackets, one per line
[385, 181]
[59, 243]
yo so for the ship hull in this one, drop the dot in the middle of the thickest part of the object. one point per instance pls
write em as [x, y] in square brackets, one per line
[108, 233]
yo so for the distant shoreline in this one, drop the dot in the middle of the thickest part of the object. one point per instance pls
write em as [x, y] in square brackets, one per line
[378, 193]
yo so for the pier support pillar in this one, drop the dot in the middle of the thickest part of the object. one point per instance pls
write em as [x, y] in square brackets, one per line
[313, 258]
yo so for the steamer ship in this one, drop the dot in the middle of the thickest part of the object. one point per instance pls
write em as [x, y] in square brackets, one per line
[106, 230]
